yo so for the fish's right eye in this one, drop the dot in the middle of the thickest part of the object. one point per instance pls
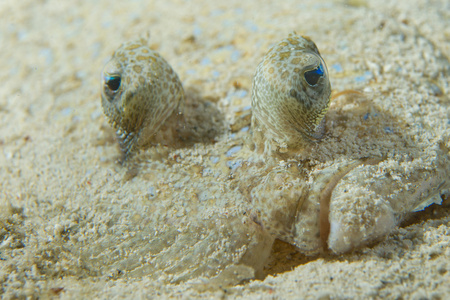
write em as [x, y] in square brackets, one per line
[313, 76]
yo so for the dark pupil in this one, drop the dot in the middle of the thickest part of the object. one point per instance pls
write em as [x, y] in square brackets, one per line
[113, 83]
[313, 76]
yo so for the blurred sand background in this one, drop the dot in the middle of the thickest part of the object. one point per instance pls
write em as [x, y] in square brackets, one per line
[54, 138]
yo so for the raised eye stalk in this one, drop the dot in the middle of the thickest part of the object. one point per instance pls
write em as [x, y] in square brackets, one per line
[290, 97]
[142, 97]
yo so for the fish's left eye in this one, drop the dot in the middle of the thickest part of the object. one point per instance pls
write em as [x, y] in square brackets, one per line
[313, 76]
[113, 82]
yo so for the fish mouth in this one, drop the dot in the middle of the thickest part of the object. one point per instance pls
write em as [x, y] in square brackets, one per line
[325, 198]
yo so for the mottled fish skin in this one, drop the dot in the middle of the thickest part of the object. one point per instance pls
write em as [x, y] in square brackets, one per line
[290, 96]
[211, 220]
[142, 97]
[309, 205]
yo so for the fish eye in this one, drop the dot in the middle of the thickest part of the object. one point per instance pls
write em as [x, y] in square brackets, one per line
[113, 82]
[313, 76]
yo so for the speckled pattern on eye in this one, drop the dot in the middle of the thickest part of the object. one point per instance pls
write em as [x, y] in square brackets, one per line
[142, 97]
[290, 97]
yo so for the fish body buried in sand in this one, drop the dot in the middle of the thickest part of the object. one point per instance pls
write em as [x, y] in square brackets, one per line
[309, 180]
[339, 204]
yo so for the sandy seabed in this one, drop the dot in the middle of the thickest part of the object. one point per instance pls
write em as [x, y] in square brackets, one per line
[55, 140]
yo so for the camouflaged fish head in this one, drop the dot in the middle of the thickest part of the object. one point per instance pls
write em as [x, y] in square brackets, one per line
[140, 92]
[290, 97]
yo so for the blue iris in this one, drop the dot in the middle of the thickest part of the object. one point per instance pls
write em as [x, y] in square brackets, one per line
[313, 76]
[113, 82]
